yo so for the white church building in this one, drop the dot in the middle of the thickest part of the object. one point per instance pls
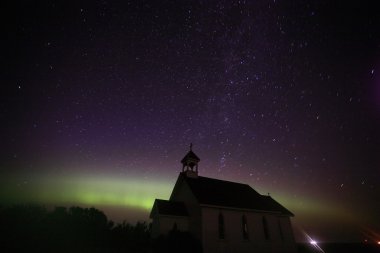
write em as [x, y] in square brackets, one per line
[225, 216]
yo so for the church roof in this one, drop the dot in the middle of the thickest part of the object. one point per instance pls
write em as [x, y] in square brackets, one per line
[165, 207]
[209, 191]
[190, 156]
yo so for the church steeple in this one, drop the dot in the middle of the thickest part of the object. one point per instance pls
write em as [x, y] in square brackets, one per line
[190, 163]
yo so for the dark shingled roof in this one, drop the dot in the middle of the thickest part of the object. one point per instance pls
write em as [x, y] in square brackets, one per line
[209, 191]
[166, 207]
[190, 155]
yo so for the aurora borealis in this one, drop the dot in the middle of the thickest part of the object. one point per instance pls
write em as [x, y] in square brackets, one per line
[100, 101]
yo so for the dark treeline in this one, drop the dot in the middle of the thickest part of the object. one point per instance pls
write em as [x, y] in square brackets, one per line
[35, 229]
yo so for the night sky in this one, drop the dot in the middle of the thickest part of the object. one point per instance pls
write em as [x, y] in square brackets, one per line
[100, 101]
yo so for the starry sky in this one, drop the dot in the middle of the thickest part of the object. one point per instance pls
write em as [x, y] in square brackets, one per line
[100, 100]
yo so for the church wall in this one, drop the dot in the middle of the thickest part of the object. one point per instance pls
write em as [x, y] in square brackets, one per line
[288, 232]
[183, 193]
[234, 241]
[166, 223]
[155, 227]
[281, 238]
[162, 224]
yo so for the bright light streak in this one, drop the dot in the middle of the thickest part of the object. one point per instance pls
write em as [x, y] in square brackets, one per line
[371, 235]
[313, 242]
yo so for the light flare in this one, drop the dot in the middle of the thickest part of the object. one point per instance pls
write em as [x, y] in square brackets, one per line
[313, 242]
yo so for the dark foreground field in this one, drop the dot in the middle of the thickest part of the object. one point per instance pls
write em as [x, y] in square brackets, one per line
[340, 248]
[33, 228]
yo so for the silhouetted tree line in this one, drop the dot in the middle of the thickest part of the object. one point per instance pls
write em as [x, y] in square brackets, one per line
[31, 228]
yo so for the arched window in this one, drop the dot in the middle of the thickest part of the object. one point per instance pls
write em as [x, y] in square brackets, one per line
[221, 226]
[266, 231]
[244, 227]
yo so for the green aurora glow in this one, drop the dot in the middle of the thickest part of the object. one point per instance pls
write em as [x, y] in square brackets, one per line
[127, 192]
[82, 190]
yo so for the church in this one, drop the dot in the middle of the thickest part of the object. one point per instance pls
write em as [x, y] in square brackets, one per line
[225, 216]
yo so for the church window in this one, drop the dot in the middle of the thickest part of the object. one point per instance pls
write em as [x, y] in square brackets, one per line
[244, 227]
[266, 230]
[221, 226]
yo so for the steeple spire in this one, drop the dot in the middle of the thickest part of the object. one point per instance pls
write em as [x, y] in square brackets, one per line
[190, 163]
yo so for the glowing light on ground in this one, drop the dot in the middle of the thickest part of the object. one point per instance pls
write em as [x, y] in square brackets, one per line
[313, 242]
[371, 234]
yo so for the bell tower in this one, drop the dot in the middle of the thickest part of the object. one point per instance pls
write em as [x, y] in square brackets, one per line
[190, 163]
